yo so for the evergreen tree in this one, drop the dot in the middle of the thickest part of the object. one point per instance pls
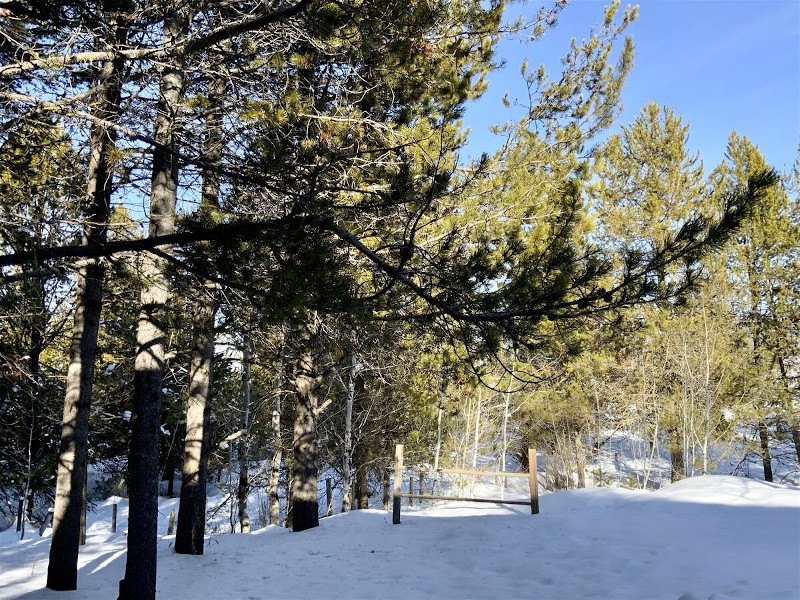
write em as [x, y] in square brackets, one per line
[649, 186]
[762, 261]
[35, 211]
[63, 565]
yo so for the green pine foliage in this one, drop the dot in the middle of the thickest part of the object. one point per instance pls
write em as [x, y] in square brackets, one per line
[599, 286]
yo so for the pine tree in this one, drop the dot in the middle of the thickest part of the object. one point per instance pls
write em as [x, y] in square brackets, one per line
[63, 565]
[36, 210]
[649, 186]
[762, 261]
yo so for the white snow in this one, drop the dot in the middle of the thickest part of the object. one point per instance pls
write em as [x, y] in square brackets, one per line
[715, 537]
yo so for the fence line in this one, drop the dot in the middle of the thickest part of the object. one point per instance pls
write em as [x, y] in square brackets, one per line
[399, 494]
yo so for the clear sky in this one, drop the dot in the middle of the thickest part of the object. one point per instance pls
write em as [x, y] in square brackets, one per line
[722, 65]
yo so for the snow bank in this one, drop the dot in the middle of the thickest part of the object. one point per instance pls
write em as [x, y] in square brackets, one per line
[713, 537]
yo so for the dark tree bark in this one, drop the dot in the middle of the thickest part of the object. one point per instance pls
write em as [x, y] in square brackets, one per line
[307, 380]
[140, 569]
[62, 570]
[170, 473]
[243, 488]
[84, 504]
[288, 524]
[677, 471]
[362, 489]
[766, 457]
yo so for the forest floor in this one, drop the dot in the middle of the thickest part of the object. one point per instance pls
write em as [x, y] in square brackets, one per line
[715, 537]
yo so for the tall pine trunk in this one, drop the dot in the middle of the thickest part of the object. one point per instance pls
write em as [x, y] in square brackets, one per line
[141, 566]
[766, 456]
[362, 488]
[348, 435]
[62, 570]
[580, 459]
[189, 538]
[244, 475]
[677, 470]
[307, 380]
[275, 467]
[277, 445]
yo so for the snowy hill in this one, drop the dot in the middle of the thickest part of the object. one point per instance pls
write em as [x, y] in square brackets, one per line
[710, 537]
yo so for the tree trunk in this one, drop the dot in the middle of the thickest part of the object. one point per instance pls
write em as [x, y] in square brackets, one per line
[140, 570]
[437, 476]
[169, 473]
[362, 489]
[192, 511]
[766, 457]
[84, 504]
[676, 462]
[438, 435]
[275, 467]
[277, 445]
[348, 433]
[307, 380]
[62, 570]
[476, 438]
[190, 535]
[386, 483]
[244, 475]
[35, 327]
[793, 419]
[580, 460]
[189, 538]
[795, 429]
[288, 490]
[467, 432]
[504, 434]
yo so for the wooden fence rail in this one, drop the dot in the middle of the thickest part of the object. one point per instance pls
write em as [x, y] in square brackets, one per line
[399, 494]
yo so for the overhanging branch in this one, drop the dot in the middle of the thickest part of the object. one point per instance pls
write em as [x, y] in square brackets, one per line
[226, 231]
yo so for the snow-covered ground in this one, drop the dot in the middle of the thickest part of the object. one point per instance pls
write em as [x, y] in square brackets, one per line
[712, 537]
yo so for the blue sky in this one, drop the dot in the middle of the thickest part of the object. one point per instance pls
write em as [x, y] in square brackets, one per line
[722, 65]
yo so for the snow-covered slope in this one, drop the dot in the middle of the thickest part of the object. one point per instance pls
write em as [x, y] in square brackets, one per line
[709, 537]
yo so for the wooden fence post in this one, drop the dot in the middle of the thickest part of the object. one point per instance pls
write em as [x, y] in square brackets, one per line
[329, 496]
[114, 518]
[171, 522]
[411, 490]
[534, 482]
[398, 483]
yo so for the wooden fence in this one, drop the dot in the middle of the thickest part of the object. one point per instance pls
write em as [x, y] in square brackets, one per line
[399, 494]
